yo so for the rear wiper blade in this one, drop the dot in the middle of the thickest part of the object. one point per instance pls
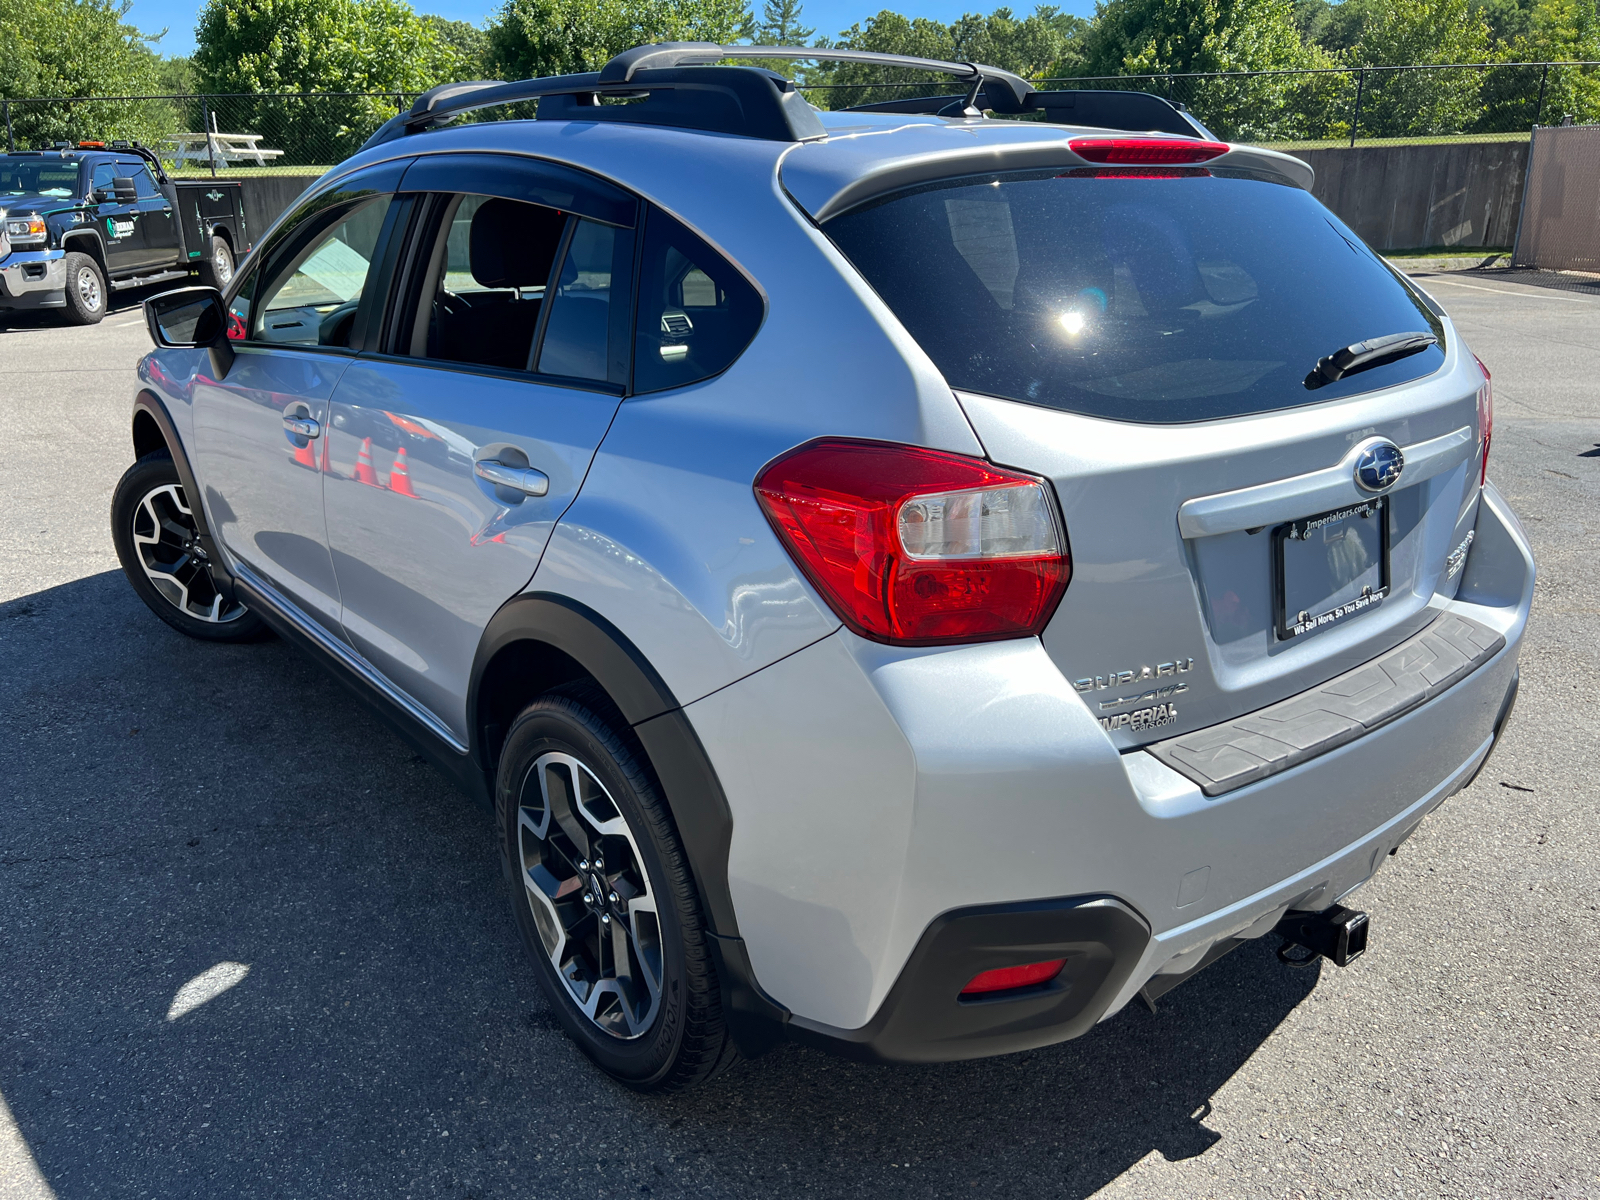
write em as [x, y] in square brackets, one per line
[1363, 356]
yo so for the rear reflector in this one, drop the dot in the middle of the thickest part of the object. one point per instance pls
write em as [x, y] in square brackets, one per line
[1140, 152]
[1005, 979]
[919, 547]
[1485, 422]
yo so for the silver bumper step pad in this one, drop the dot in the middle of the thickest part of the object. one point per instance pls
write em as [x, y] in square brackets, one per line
[1283, 735]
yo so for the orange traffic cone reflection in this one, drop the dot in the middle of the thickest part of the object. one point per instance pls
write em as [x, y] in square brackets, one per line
[364, 472]
[400, 477]
[306, 455]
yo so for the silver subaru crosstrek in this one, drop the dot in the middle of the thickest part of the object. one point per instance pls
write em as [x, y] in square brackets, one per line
[913, 579]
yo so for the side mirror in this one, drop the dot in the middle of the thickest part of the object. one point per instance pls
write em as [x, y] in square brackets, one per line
[104, 196]
[192, 318]
[124, 191]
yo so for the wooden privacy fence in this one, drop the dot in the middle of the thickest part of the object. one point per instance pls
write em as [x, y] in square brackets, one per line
[1560, 227]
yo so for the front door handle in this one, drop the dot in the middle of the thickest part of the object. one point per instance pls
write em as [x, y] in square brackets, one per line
[302, 427]
[522, 479]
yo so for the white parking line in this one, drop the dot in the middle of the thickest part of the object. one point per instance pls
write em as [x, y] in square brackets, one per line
[1477, 287]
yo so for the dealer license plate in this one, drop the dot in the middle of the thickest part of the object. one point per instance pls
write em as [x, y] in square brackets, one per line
[1329, 567]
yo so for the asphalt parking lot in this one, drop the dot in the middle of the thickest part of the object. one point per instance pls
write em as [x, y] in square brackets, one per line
[168, 808]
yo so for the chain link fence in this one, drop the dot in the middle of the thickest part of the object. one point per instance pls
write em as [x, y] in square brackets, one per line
[1333, 107]
[240, 135]
[304, 134]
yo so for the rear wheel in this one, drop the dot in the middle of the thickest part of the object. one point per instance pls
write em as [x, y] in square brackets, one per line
[216, 268]
[86, 290]
[604, 899]
[158, 543]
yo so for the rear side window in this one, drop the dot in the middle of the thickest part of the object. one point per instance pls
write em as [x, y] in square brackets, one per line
[144, 186]
[696, 314]
[1152, 296]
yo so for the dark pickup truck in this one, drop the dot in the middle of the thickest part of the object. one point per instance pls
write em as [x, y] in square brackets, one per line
[78, 222]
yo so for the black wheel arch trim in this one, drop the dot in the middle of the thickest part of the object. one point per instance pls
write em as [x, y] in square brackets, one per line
[148, 406]
[684, 771]
[97, 252]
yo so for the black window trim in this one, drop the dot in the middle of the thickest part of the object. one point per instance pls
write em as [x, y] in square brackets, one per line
[651, 211]
[403, 295]
[362, 320]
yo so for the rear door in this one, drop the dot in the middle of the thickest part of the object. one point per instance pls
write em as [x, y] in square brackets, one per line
[463, 435]
[158, 224]
[1144, 338]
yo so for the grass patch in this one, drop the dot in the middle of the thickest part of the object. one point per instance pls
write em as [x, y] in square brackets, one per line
[191, 170]
[1438, 139]
[1479, 252]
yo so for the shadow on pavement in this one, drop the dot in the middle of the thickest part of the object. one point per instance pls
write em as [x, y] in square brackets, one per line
[1560, 281]
[358, 1017]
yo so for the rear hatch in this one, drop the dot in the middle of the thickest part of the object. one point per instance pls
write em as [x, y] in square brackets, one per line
[1143, 338]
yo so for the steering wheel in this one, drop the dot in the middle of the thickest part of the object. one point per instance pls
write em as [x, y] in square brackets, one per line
[334, 329]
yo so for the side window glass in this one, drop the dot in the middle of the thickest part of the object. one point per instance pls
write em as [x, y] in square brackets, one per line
[696, 312]
[307, 296]
[142, 183]
[576, 337]
[104, 173]
[484, 285]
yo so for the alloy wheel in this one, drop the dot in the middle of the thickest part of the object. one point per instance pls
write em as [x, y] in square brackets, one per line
[222, 261]
[166, 540]
[89, 288]
[590, 895]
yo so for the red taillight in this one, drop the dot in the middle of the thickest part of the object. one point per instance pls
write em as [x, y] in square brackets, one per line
[1139, 152]
[1485, 421]
[1004, 979]
[919, 547]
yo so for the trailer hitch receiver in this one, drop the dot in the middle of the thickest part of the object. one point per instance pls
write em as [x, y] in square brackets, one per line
[1337, 933]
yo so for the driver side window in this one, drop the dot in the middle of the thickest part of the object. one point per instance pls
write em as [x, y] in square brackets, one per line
[307, 294]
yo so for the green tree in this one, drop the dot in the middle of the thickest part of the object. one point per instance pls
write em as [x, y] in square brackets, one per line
[470, 44]
[1556, 31]
[76, 48]
[247, 47]
[530, 38]
[1030, 46]
[1405, 32]
[1157, 38]
[781, 24]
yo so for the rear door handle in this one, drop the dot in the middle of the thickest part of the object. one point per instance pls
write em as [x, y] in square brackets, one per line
[522, 479]
[302, 427]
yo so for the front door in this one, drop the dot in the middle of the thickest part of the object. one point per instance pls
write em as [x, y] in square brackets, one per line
[456, 451]
[261, 432]
[117, 222]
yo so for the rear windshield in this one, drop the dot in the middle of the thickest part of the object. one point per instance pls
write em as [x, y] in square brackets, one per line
[1154, 296]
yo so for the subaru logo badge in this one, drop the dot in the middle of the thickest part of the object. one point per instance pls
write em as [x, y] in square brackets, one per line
[1378, 466]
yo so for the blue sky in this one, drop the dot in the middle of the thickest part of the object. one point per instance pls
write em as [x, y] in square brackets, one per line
[828, 16]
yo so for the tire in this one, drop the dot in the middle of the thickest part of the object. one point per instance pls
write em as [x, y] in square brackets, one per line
[659, 1027]
[216, 268]
[154, 532]
[87, 294]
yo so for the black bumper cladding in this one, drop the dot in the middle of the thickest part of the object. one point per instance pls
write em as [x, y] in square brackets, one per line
[1283, 735]
[926, 1019]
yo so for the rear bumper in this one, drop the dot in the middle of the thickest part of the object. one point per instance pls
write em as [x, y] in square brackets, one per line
[33, 279]
[878, 792]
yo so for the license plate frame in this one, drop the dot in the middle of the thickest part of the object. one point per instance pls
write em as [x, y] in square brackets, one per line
[1304, 620]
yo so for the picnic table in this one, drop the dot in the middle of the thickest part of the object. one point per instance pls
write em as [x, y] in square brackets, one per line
[226, 148]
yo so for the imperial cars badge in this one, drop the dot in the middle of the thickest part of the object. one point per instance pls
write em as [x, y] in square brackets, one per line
[1379, 466]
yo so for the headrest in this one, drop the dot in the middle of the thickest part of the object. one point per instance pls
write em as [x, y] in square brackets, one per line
[513, 244]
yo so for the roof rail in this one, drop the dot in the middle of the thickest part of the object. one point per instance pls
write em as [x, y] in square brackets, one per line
[680, 88]
[1101, 109]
